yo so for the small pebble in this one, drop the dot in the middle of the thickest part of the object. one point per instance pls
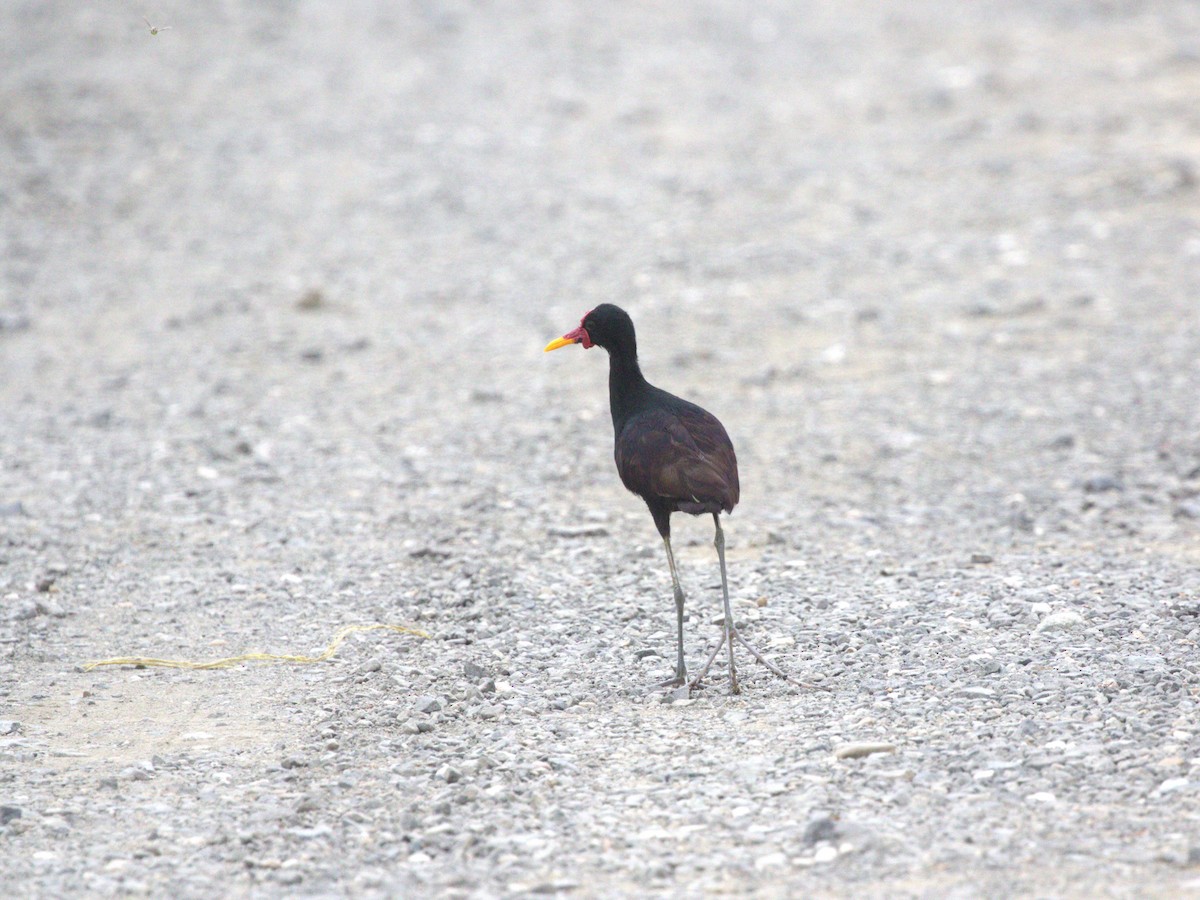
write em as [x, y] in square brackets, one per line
[311, 300]
[1189, 509]
[576, 531]
[1171, 785]
[427, 704]
[23, 611]
[49, 607]
[820, 828]
[977, 693]
[861, 749]
[1099, 484]
[825, 853]
[770, 861]
[473, 671]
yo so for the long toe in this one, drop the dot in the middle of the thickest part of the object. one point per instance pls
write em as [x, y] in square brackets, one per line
[757, 654]
[730, 635]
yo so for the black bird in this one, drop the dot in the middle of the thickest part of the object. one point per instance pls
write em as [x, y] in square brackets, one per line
[673, 454]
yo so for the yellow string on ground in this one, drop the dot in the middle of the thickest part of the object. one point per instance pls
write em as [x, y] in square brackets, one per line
[329, 653]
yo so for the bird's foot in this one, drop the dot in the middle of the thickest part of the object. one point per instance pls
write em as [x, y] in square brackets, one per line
[757, 654]
[695, 682]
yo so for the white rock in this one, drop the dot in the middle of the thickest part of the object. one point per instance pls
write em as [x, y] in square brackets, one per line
[1063, 620]
[770, 861]
[1171, 785]
[825, 854]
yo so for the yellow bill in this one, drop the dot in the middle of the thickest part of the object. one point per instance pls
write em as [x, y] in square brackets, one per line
[578, 336]
[560, 342]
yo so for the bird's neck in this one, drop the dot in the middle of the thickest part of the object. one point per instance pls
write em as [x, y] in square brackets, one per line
[626, 385]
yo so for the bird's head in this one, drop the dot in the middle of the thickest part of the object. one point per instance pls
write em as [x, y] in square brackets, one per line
[605, 326]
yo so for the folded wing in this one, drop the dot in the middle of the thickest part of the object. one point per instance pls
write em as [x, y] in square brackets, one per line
[682, 455]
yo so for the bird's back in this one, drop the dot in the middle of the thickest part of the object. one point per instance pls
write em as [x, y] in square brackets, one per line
[672, 452]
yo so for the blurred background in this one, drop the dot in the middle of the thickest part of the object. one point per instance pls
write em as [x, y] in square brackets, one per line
[329, 240]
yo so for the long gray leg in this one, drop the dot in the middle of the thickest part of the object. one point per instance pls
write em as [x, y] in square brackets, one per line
[730, 630]
[680, 666]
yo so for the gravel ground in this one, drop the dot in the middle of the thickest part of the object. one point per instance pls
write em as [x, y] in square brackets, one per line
[274, 285]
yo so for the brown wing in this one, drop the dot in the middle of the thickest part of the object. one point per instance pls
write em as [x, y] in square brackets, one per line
[681, 454]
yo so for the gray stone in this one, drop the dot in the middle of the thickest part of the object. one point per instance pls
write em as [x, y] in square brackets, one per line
[820, 828]
[50, 607]
[976, 693]
[23, 610]
[1143, 662]
[427, 704]
[577, 531]
[474, 672]
[1101, 483]
[1188, 509]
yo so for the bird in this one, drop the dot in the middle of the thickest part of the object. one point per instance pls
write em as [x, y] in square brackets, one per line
[673, 454]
